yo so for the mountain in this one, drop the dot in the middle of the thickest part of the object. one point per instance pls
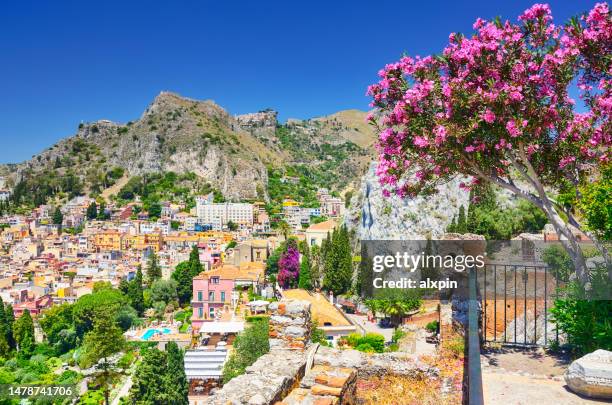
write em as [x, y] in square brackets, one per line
[231, 154]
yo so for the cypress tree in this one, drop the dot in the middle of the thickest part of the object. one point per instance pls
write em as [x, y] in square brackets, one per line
[177, 386]
[135, 292]
[452, 227]
[92, 210]
[338, 263]
[461, 221]
[194, 261]
[10, 322]
[23, 333]
[305, 278]
[4, 330]
[153, 269]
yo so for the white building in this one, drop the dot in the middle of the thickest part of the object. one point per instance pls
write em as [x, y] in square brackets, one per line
[219, 214]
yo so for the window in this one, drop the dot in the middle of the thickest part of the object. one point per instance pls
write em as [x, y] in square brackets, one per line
[211, 296]
[199, 295]
[223, 296]
[200, 312]
[211, 312]
[215, 280]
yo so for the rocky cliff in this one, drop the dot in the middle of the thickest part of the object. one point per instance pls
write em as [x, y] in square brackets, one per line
[375, 217]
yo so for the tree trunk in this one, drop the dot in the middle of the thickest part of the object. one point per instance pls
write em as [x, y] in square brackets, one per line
[570, 243]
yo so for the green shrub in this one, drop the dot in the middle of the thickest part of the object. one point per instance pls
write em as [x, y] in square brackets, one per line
[432, 326]
[397, 335]
[353, 339]
[584, 315]
[256, 318]
[317, 335]
[249, 345]
[374, 341]
[366, 348]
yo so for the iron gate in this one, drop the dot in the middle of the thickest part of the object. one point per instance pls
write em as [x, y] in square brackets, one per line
[515, 302]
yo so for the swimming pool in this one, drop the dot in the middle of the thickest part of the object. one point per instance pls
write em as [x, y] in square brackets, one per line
[152, 331]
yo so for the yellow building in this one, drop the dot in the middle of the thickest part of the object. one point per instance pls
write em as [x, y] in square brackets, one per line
[108, 240]
[147, 241]
[290, 203]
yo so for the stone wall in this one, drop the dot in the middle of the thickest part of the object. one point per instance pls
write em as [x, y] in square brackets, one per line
[289, 324]
[268, 380]
[275, 374]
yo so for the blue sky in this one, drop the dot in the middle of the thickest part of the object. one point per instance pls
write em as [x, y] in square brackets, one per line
[64, 62]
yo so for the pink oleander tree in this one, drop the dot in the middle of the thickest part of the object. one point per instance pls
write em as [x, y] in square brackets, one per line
[289, 267]
[495, 107]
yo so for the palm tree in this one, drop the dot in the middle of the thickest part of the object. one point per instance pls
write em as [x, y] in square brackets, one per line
[284, 229]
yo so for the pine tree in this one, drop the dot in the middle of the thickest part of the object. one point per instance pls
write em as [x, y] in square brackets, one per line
[92, 211]
[104, 340]
[23, 332]
[153, 269]
[177, 386]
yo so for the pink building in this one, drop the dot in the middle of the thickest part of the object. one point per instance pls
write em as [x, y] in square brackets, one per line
[212, 290]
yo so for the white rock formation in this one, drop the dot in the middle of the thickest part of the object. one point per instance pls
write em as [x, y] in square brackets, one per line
[591, 375]
[375, 217]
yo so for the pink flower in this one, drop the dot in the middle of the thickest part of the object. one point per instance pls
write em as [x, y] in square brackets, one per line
[566, 161]
[512, 129]
[440, 132]
[421, 142]
[536, 11]
[488, 116]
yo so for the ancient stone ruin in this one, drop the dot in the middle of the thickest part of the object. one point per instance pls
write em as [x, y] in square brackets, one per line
[296, 371]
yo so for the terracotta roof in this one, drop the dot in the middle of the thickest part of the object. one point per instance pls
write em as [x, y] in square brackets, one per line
[322, 310]
[323, 226]
[246, 271]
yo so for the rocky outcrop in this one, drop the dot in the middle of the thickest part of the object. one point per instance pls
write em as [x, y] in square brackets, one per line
[375, 217]
[591, 375]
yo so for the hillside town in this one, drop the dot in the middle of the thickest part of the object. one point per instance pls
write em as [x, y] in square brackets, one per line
[447, 244]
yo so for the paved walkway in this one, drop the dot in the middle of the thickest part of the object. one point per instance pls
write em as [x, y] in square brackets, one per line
[362, 320]
[508, 389]
[526, 377]
[123, 391]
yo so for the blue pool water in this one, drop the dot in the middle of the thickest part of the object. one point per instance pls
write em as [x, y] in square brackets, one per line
[150, 332]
